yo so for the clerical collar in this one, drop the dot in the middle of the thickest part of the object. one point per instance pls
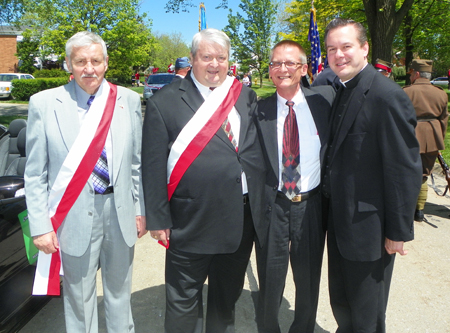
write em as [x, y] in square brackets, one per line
[349, 83]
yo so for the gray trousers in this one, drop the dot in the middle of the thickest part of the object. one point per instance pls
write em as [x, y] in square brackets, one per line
[109, 251]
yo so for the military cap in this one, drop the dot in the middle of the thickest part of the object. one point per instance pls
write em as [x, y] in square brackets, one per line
[421, 65]
[382, 65]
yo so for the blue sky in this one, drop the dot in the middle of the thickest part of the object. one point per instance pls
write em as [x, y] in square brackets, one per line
[186, 23]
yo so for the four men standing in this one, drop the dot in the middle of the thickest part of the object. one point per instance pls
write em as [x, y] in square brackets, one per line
[218, 174]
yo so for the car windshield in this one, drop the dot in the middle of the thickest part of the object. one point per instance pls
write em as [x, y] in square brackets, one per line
[7, 77]
[160, 79]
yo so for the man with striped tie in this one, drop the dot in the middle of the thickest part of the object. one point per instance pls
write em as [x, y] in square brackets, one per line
[83, 185]
[294, 123]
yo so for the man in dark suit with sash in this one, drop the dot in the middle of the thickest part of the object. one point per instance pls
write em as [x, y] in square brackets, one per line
[372, 177]
[203, 176]
[296, 231]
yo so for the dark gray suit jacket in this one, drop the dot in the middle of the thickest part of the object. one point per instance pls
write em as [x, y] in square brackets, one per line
[376, 170]
[206, 212]
[319, 100]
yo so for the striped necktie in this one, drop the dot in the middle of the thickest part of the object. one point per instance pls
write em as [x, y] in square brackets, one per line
[291, 154]
[100, 174]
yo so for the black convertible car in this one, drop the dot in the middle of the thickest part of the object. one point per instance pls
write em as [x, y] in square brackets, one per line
[17, 306]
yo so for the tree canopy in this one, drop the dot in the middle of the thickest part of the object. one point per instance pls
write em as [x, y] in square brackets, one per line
[252, 34]
[126, 33]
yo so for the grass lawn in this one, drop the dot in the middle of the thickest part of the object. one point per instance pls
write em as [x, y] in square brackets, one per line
[6, 120]
[12, 101]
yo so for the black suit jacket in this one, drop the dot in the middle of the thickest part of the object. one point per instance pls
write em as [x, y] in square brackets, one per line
[206, 210]
[319, 100]
[375, 168]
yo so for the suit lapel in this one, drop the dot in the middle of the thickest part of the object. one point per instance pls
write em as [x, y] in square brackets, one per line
[268, 124]
[318, 112]
[66, 113]
[355, 104]
[194, 99]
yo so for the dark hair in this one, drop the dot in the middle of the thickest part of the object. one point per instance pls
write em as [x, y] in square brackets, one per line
[286, 43]
[340, 22]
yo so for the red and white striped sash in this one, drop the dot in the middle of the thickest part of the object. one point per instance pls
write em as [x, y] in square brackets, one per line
[71, 179]
[196, 134]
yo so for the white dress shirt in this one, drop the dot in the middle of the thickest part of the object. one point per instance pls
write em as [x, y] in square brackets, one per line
[83, 108]
[309, 142]
[234, 119]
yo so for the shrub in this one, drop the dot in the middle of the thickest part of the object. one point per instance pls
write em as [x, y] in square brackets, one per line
[399, 73]
[24, 89]
[51, 73]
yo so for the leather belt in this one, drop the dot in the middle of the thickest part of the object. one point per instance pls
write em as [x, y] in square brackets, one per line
[301, 196]
[245, 198]
[108, 190]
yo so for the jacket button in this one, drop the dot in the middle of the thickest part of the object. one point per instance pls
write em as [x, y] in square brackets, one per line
[238, 180]
[269, 208]
[91, 191]
[89, 213]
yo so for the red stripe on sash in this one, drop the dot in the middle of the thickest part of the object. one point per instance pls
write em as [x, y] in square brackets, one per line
[78, 181]
[202, 138]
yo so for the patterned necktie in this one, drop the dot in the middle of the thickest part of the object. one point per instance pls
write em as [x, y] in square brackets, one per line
[100, 175]
[291, 154]
[226, 126]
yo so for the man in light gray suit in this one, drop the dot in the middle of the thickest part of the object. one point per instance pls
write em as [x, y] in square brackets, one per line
[83, 186]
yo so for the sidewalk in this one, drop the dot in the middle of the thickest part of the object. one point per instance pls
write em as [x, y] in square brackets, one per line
[419, 299]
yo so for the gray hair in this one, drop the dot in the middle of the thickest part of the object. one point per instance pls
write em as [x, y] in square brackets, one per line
[211, 36]
[426, 75]
[84, 38]
[290, 43]
[340, 22]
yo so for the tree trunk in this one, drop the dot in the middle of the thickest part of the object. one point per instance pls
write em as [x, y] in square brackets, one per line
[409, 47]
[384, 21]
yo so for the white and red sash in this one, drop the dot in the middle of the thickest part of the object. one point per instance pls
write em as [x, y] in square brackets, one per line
[72, 177]
[196, 134]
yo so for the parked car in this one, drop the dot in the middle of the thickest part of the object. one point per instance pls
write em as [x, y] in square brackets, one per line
[440, 81]
[155, 82]
[6, 85]
[17, 305]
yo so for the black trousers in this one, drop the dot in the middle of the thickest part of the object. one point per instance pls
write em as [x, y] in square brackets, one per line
[186, 274]
[359, 290]
[297, 234]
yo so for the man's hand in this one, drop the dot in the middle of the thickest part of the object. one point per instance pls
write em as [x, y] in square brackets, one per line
[161, 235]
[141, 225]
[394, 247]
[47, 243]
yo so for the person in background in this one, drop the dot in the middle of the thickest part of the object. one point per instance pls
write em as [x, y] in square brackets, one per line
[182, 67]
[430, 103]
[384, 67]
[294, 125]
[83, 184]
[203, 176]
[246, 80]
[371, 179]
[137, 78]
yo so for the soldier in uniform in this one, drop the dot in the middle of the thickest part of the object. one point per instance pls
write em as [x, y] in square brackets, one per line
[384, 67]
[430, 103]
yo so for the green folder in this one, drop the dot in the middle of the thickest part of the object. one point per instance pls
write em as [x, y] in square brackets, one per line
[30, 248]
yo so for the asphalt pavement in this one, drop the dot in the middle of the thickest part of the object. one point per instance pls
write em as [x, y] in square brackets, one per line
[419, 299]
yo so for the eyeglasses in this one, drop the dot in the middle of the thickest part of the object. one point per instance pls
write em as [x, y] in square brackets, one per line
[288, 64]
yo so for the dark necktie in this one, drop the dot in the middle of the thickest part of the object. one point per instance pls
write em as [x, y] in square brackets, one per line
[291, 154]
[100, 174]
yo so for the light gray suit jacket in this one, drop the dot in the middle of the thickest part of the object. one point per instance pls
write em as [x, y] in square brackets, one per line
[53, 126]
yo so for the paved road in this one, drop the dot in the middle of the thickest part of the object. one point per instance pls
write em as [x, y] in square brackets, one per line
[419, 300]
[11, 109]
